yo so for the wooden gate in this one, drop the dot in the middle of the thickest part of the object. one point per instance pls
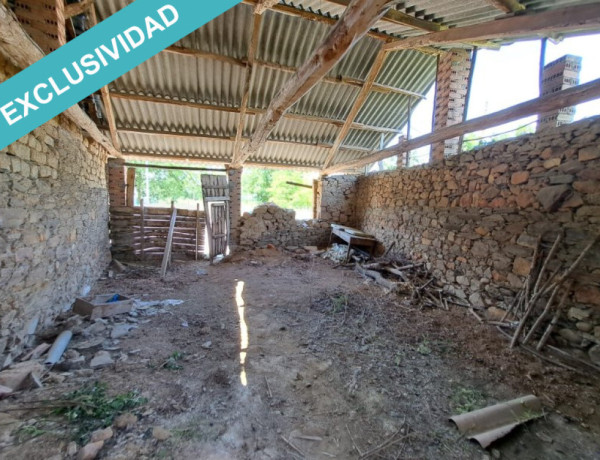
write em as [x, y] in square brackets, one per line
[215, 192]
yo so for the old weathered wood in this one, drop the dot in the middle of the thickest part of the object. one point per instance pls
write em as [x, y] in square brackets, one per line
[548, 23]
[264, 5]
[168, 249]
[248, 77]
[142, 227]
[548, 103]
[295, 184]
[358, 104]
[356, 21]
[20, 49]
[555, 318]
[508, 6]
[75, 9]
[197, 229]
[130, 186]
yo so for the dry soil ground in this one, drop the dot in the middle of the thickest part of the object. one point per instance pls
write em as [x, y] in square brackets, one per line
[308, 361]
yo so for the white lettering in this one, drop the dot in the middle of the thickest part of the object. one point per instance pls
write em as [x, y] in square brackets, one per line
[36, 94]
[114, 53]
[26, 104]
[8, 113]
[151, 26]
[134, 44]
[161, 13]
[101, 57]
[125, 47]
[88, 61]
[80, 75]
[58, 90]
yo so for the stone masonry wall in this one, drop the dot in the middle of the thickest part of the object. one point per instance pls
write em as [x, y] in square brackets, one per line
[270, 224]
[475, 218]
[53, 224]
[337, 199]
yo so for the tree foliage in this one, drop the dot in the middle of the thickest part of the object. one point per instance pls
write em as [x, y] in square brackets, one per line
[270, 185]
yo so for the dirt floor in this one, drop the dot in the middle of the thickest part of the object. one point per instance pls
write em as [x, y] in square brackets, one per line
[271, 357]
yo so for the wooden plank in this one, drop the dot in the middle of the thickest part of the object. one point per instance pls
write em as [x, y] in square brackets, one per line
[548, 23]
[566, 98]
[264, 5]
[143, 226]
[508, 6]
[20, 49]
[197, 229]
[167, 257]
[248, 78]
[75, 9]
[352, 26]
[249, 110]
[358, 103]
[130, 186]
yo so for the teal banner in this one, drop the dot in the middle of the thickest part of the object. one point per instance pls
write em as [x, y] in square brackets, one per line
[93, 60]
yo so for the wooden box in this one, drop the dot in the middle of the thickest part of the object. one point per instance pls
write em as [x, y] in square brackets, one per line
[101, 306]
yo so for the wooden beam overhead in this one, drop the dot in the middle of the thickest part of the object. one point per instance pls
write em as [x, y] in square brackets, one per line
[75, 9]
[508, 6]
[570, 19]
[385, 89]
[358, 103]
[248, 78]
[264, 5]
[211, 137]
[22, 52]
[566, 98]
[253, 111]
[352, 26]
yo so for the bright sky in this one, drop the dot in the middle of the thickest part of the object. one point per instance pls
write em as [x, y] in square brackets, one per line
[508, 76]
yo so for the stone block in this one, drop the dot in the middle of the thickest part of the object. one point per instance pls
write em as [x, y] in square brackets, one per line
[551, 198]
[589, 153]
[519, 178]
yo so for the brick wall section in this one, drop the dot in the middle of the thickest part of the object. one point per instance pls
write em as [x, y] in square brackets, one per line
[337, 199]
[454, 68]
[475, 218]
[117, 182]
[53, 224]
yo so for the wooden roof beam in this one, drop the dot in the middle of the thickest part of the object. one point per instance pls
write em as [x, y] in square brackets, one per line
[566, 98]
[249, 110]
[508, 6]
[357, 20]
[23, 52]
[572, 18]
[75, 9]
[264, 5]
[246, 95]
[358, 104]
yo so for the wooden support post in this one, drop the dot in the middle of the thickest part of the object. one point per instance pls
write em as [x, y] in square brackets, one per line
[130, 186]
[572, 18]
[352, 26]
[143, 229]
[548, 103]
[168, 247]
[197, 229]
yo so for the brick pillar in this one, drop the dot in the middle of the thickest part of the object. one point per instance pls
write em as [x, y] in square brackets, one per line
[453, 72]
[559, 75]
[117, 187]
[235, 204]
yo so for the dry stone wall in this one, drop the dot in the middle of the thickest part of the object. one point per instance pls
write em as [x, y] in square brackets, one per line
[475, 219]
[53, 224]
[270, 224]
[336, 200]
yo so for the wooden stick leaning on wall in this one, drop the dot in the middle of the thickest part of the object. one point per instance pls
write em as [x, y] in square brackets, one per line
[143, 229]
[197, 229]
[167, 255]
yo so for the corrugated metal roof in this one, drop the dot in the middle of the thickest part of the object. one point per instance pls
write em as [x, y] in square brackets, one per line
[284, 41]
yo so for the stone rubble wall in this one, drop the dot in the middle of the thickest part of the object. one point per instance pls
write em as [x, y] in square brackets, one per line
[270, 224]
[476, 218]
[53, 224]
[336, 200]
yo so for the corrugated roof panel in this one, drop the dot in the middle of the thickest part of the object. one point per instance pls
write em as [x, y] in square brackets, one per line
[298, 155]
[215, 150]
[164, 117]
[327, 100]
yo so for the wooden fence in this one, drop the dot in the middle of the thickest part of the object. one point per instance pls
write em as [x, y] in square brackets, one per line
[139, 233]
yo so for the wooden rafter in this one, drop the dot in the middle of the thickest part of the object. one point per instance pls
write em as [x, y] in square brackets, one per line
[252, 111]
[104, 93]
[264, 5]
[75, 9]
[352, 26]
[187, 135]
[548, 103]
[358, 103]
[20, 49]
[508, 6]
[356, 82]
[248, 78]
[572, 18]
